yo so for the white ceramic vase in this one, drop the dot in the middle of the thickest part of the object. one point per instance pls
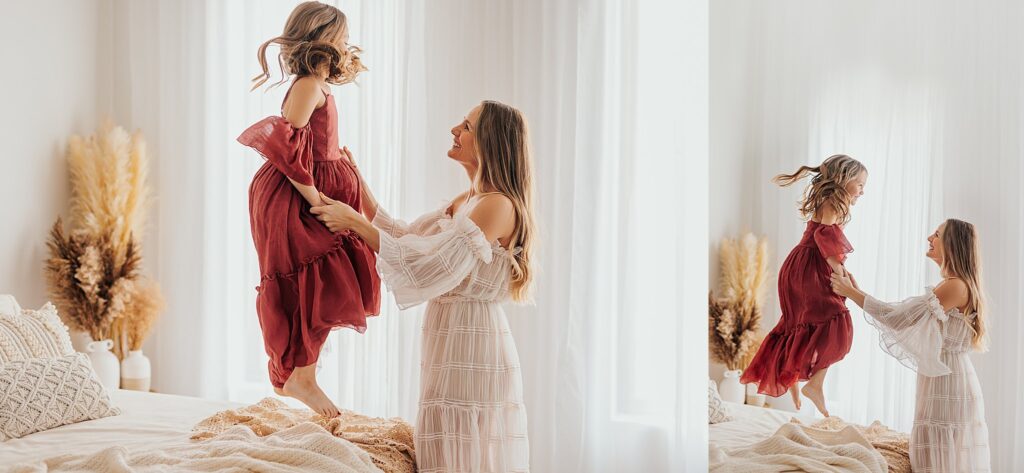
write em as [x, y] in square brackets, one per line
[135, 371]
[105, 363]
[730, 387]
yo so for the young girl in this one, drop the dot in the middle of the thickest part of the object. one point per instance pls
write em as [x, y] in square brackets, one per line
[814, 330]
[312, 280]
[933, 334]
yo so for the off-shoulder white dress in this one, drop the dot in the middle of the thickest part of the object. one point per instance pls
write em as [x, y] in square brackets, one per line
[950, 434]
[471, 414]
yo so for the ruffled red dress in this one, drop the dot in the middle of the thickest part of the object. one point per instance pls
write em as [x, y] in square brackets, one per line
[312, 281]
[814, 330]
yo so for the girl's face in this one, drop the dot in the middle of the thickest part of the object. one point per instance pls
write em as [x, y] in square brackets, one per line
[463, 148]
[855, 188]
[935, 248]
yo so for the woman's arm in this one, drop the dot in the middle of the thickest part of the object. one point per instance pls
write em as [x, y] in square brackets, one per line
[494, 215]
[304, 97]
[910, 330]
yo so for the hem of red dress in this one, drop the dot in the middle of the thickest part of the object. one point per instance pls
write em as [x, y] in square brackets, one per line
[777, 344]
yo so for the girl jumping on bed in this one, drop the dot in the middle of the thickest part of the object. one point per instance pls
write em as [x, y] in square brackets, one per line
[312, 281]
[814, 330]
[933, 334]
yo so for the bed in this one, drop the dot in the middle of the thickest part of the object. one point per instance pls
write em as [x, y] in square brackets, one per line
[151, 425]
[146, 419]
[749, 425]
[759, 439]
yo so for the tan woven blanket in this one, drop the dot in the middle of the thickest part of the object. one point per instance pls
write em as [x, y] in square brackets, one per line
[389, 442]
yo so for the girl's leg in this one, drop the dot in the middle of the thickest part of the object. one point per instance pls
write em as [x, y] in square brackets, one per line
[814, 390]
[794, 391]
[302, 386]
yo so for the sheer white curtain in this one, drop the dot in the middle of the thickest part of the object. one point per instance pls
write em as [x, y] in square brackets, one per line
[616, 98]
[928, 96]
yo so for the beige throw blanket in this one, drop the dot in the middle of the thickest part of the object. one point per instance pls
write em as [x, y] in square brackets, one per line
[894, 446]
[797, 447]
[301, 448]
[389, 442]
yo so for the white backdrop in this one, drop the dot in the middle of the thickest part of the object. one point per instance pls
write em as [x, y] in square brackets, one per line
[928, 96]
[611, 371]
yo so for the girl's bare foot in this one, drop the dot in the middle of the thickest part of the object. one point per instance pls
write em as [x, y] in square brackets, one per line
[279, 391]
[816, 396]
[794, 391]
[304, 388]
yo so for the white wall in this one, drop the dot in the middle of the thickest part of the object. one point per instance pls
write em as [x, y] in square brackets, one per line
[48, 86]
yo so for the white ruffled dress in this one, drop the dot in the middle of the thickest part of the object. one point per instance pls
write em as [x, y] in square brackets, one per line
[471, 413]
[950, 434]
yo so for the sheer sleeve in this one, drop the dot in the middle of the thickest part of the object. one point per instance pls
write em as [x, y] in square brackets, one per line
[289, 149]
[832, 242]
[398, 228]
[417, 268]
[911, 331]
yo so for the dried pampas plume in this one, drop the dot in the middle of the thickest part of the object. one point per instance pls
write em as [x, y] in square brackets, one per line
[94, 270]
[734, 318]
[108, 184]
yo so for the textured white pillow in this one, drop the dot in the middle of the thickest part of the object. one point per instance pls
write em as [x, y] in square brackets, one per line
[716, 409]
[44, 393]
[33, 334]
[9, 305]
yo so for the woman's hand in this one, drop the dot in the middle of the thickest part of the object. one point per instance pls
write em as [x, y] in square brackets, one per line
[842, 284]
[337, 216]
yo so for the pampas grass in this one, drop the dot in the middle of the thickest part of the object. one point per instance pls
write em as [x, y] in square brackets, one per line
[94, 269]
[108, 185]
[734, 318]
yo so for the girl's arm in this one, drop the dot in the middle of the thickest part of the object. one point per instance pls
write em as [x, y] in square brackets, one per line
[369, 201]
[836, 265]
[304, 97]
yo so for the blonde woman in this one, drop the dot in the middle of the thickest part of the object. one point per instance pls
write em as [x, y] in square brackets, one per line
[933, 334]
[465, 259]
[815, 330]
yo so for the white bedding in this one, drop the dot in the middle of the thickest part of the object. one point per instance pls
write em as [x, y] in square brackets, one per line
[749, 425]
[147, 420]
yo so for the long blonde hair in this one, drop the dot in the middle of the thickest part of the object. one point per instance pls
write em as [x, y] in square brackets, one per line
[961, 259]
[828, 185]
[506, 166]
[309, 47]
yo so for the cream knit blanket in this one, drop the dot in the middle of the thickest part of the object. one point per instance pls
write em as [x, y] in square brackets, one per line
[304, 447]
[800, 448]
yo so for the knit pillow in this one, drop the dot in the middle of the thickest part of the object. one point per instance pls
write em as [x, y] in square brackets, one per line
[8, 305]
[44, 393]
[33, 334]
[716, 409]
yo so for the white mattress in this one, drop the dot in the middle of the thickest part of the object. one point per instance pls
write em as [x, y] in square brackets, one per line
[749, 425]
[147, 419]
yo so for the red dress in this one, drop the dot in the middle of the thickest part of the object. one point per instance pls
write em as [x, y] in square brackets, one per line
[312, 281]
[815, 329]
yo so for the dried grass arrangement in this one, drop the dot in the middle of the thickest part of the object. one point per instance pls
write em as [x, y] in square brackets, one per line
[93, 271]
[734, 317]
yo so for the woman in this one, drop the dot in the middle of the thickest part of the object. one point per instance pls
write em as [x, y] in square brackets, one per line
[932, 334]
[465, 260]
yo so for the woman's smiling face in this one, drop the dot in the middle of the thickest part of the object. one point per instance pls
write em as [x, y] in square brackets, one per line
[935, 248]
[463, 148]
